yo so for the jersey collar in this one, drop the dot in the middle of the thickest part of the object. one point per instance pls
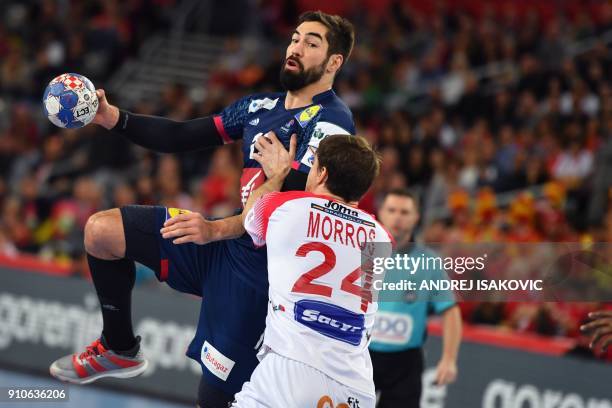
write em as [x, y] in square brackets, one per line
[323, 95]
[317, 99]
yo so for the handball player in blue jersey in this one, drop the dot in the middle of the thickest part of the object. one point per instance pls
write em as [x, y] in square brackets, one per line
[212, 259]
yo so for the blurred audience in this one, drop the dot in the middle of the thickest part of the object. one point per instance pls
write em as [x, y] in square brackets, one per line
[497, 115]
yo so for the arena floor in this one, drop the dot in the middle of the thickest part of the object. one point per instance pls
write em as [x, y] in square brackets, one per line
[79, 396]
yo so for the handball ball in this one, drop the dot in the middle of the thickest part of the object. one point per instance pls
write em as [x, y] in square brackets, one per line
[70, 101]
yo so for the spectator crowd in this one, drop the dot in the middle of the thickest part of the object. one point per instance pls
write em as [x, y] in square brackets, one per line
[498, 116]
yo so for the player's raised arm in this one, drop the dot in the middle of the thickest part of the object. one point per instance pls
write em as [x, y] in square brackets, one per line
[161, 134]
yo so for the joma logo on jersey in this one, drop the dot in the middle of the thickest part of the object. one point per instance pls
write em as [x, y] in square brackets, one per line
[330, 320]
[340, 211]
[334, 206]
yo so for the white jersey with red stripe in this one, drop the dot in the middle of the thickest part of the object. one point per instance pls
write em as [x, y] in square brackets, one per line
[321, 311]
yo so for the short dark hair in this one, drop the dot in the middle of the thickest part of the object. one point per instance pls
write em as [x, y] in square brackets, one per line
[402, 192]
[351, 165]
[340, 32]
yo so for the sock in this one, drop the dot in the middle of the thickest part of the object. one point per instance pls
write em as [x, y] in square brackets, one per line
[114, 281]
[128, 353]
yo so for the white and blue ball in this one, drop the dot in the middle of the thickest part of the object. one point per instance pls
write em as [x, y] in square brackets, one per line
[70, 101]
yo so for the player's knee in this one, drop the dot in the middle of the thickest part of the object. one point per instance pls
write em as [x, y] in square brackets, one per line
[104, 235]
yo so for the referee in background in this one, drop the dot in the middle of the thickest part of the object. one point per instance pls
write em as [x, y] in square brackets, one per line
[400, 328]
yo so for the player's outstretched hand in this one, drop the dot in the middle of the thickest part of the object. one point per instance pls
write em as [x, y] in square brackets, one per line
[446, 372]
[274, 159]
[107, 115]
[601, 326]
[188, 227]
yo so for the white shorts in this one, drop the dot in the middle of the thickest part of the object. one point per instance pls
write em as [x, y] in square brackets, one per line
[279, 382]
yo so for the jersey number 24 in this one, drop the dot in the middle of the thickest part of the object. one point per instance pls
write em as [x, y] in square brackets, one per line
[304, 283]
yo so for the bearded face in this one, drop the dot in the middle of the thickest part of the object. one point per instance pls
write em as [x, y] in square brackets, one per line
[293, 75]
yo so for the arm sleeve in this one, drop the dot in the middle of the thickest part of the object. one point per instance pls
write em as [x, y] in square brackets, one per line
[231, 121]
[166, 135]
[169, 136]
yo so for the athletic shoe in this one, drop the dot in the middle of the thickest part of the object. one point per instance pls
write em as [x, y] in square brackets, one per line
[97, 361]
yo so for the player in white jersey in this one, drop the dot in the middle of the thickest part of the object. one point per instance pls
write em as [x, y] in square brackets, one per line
[321, 310]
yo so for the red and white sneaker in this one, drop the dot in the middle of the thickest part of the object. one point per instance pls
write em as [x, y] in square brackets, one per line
[98, 362]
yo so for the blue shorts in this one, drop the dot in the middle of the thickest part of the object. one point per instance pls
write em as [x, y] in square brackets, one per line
[230, 276]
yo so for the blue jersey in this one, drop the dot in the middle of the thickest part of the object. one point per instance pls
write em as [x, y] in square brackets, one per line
[251, 117]
[231, 275]
[402, 323]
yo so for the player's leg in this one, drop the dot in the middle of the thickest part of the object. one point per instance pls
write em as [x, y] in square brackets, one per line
[403, 385]
[296, 385]
[117, 352]
[113, 276]
[380, 366]
[210, 396]
[232, 318]
[188, 268]
[121, 236]
[114, 239]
